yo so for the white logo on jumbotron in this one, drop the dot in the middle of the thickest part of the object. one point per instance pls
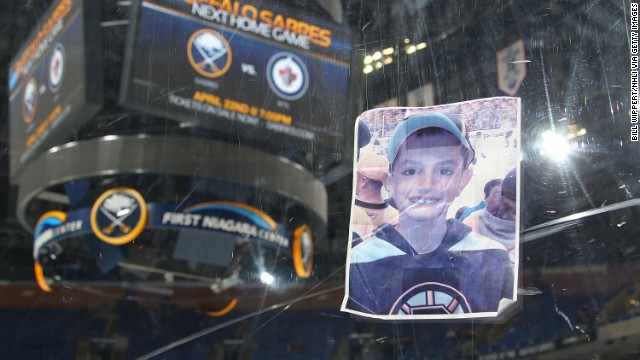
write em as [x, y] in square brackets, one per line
[209, 53]
[287, 75]
[56, 67]
[30, 100]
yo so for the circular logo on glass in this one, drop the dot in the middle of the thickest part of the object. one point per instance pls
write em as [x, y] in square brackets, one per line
[287, 76]
[209, 53]
[56, 67]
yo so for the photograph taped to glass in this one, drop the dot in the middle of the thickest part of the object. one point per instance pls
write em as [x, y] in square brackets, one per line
[435, 216]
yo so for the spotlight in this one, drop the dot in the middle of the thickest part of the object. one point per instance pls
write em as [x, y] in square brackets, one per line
[554, 146]
[267, 278]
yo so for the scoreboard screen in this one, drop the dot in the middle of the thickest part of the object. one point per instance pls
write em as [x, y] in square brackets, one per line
[55, 80]
[253, 70]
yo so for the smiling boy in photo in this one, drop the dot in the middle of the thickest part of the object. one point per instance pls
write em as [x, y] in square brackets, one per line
[426, 264]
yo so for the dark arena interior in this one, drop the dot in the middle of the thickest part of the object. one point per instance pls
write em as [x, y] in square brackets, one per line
[179, 178]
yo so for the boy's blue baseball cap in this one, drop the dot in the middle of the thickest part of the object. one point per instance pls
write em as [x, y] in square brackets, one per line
[416, 122]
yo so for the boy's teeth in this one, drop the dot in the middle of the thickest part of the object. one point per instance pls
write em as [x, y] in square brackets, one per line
[424, 201]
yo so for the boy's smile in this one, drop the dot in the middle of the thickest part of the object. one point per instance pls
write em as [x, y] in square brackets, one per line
[425, 180]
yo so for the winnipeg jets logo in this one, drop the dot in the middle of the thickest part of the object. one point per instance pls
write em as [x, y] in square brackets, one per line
[56, 67]
[287, 75]
[431, 299]
[209, 53]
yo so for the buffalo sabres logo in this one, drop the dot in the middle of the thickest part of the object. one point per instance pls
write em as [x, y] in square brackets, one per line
[56, 67]
[209, 53]
[30, 100]
[303, 251]
[431, 299]
[287, 75]
[119, 216]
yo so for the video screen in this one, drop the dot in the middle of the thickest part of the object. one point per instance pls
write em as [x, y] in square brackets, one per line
[254, 70]
[50, 91]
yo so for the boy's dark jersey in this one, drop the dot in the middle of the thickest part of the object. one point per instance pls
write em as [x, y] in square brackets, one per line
[466, 273]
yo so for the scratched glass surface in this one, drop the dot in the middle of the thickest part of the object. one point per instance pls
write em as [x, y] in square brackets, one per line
[569, 62]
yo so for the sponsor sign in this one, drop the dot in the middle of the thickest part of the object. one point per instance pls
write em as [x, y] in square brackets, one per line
[47, 102]
[229, 217]
[54, 226]
[120, 215]
[252, 69]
